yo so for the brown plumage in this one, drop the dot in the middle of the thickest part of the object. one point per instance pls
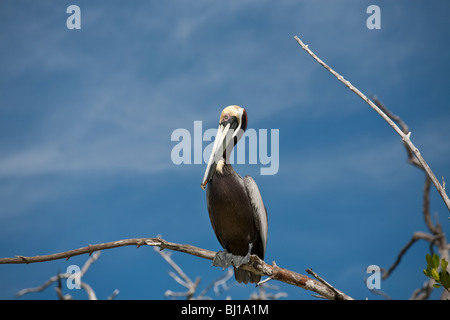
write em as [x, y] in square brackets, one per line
[236, 210]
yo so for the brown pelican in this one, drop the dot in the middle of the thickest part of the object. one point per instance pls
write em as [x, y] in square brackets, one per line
[236, 210]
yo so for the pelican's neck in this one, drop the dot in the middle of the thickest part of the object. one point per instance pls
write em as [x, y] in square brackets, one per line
[224, 168]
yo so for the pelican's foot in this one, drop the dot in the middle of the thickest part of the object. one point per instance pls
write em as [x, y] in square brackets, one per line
[240, 260]
[222, 259]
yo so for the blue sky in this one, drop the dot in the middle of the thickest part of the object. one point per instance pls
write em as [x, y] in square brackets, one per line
[86, 118]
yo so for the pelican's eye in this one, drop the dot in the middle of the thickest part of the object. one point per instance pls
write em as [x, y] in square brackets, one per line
[226, 117]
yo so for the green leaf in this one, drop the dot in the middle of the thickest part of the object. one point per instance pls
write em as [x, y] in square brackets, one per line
[435, 274]
[444, 264]
[435, 260]
[436, 285]
[445, 280]
[429, 261]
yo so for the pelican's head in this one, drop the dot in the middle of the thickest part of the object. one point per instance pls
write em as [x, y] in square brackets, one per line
[232, 124]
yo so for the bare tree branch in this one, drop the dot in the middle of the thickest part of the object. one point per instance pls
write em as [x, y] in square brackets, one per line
[114, 294]
[338, 295]
[90, 292]
[411, 158]
[436, 236]
[414, 157]
[256, 265]
[424, 292]
[185, 281]
[406, 137]
[67, 254]
[378, 292]
[219, 282]
[58, 290]
[419, 235]
[263, 295]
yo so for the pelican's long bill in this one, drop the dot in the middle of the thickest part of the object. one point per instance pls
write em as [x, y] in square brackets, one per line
[229, 132]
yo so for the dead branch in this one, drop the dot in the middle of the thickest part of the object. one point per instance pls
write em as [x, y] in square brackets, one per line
[436, 237]
[76, 252]
[90, 292]
[219, 282]
[424, 292]
[406, 137]
[263, 295]
[192, 287]
[411, 158]
[114, 294]
[256, 265]
[181, 278]
[338, 295]
[419, 235]
[414, 157]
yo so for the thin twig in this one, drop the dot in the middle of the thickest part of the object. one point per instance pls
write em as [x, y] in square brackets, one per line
[185, 281]
[216, 284]
[424, 292]
[263, 295]
[411, 158]
[379, 292]
[114, 294]
[419, 235]
[338, 295]
[90, 292]
[58, 290]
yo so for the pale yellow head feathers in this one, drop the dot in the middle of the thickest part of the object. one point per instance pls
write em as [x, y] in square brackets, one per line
[231, 111]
